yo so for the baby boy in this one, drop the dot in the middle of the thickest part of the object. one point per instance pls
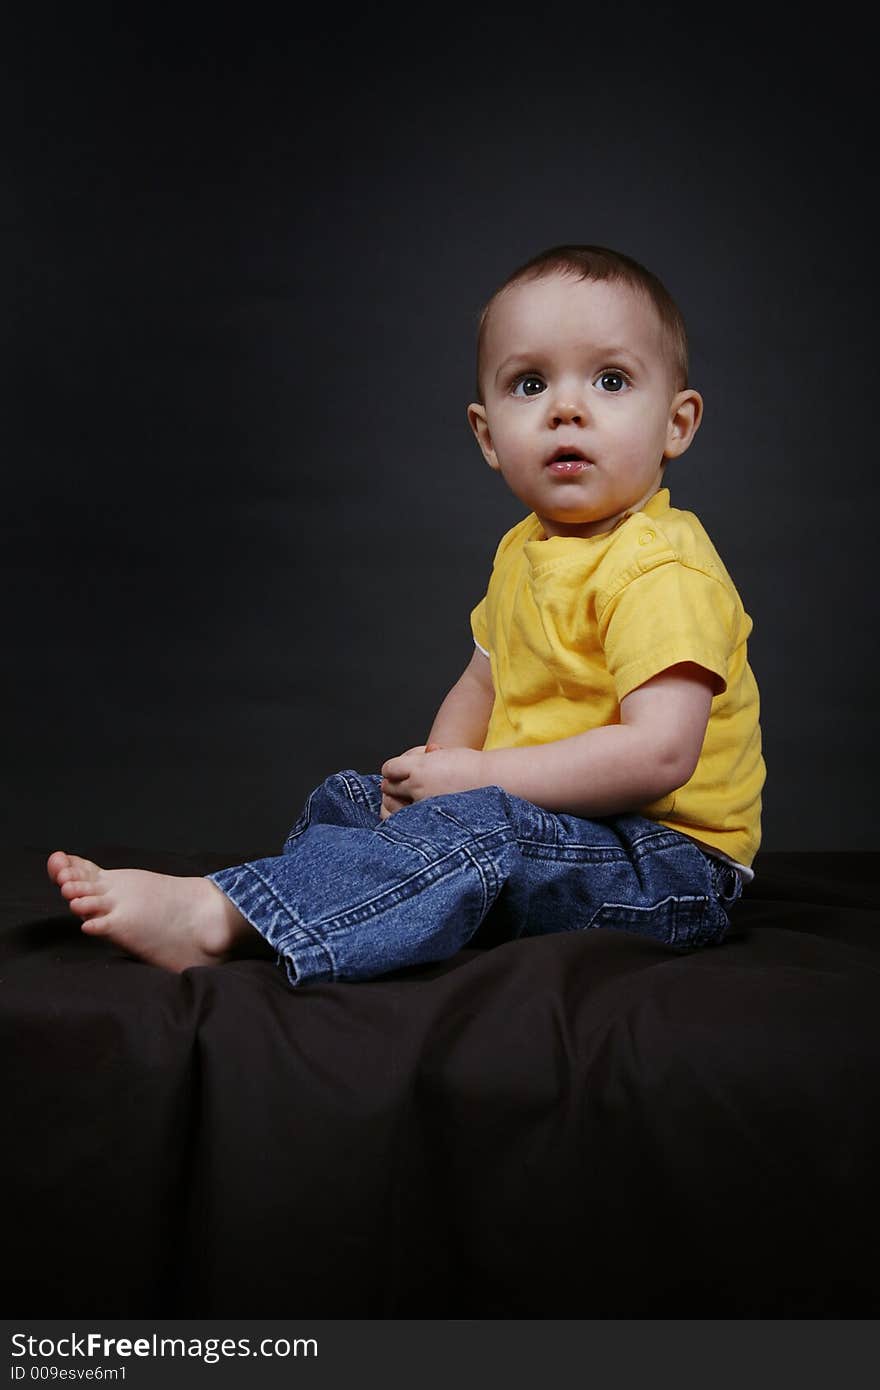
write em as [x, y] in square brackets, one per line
[598, 763]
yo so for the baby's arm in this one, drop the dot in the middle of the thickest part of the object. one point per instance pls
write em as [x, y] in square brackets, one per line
[460, 722]
[604, 772]
[463, 718]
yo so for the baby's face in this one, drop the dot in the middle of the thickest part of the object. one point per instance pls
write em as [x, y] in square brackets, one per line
[580, 408]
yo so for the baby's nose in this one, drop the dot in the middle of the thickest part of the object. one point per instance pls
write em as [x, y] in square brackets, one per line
[567, 412]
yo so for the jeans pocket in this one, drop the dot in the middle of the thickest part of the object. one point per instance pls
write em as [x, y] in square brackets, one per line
[676, 921]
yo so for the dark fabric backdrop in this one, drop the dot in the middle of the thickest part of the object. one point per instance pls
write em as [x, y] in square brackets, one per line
[243, 517]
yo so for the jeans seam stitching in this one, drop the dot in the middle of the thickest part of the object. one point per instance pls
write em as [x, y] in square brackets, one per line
[368, 909]
[403, 840]
[484, 883]
[354, 790]
[296, 921]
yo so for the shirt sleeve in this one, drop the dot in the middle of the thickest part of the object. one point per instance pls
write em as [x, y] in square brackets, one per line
[479, 627]
[667, 614]
[479, 616]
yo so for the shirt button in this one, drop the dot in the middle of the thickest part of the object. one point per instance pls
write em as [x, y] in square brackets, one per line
[646, 538]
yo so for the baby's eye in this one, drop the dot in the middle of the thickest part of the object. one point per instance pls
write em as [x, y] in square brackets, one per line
[611, 381]
[529, 385]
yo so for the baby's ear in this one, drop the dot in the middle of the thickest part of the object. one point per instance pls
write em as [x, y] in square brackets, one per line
[685, 414]
[479, 423]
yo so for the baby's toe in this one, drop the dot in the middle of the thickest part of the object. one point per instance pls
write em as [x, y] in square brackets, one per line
[91, 907]
[76, 888]
[84, 868]
[57, 862]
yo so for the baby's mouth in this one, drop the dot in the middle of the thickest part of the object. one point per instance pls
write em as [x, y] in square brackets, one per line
[567, 462]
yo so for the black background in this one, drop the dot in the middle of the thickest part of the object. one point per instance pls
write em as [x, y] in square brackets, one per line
[244, 520]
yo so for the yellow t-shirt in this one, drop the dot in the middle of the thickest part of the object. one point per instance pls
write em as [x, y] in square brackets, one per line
[572, 625]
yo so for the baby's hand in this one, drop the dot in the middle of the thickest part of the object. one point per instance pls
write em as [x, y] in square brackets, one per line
[429, 770]
[390, 801]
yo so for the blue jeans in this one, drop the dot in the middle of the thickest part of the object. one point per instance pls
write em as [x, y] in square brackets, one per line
[352, 896]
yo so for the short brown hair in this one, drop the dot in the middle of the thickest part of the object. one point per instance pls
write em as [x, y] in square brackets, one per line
[600, 263]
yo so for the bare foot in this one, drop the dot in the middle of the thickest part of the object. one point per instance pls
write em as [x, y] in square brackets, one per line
[168, 921]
